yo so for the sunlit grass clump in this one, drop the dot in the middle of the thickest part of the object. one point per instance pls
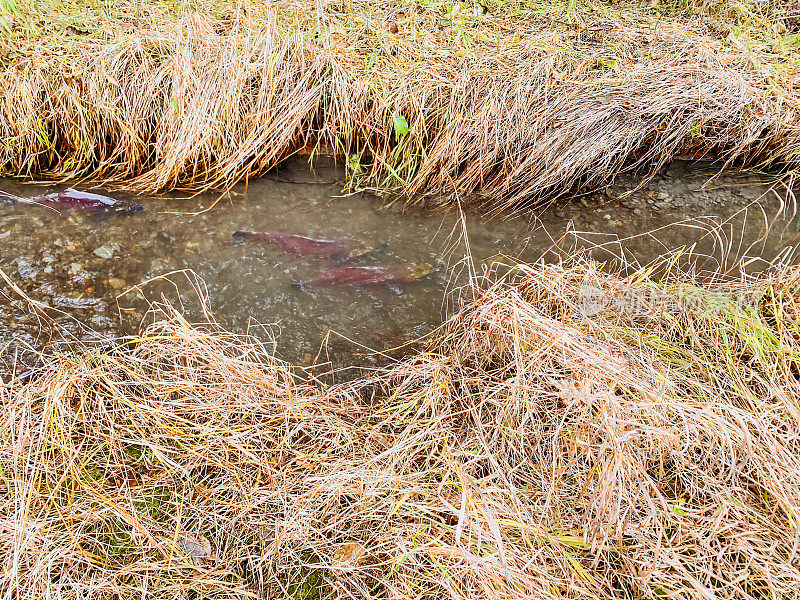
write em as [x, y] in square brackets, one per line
[498, 103]
[545, 444]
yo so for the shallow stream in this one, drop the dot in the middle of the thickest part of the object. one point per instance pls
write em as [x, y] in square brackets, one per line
[99, 272]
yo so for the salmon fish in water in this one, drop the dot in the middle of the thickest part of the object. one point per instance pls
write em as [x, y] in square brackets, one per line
[299, 245]
[72, 200]
[374, 275]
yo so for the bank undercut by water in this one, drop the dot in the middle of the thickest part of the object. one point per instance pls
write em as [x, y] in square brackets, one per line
[548, 443]
[496, 103]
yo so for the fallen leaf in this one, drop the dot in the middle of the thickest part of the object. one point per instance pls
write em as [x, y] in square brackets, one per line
[349, 555]
[196, 546]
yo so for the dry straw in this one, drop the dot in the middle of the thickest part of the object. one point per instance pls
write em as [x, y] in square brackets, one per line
[528, 452]
[500, 104]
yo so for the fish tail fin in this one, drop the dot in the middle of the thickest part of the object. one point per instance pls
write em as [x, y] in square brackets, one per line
[10, 198]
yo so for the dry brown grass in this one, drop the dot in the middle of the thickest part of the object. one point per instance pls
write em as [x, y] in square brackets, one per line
[526, 453]
[517, 104]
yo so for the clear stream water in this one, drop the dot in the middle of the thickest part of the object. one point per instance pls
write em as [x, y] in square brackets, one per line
[99, 272]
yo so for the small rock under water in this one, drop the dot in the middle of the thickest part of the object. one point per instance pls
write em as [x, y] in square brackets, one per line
[27, 269]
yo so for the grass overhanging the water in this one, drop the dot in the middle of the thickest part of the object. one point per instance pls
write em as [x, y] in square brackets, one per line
[541, 446]
[497, 103]
[571, 433]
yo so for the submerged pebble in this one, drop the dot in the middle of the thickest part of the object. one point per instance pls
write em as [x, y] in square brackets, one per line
[106, 250]
[27, 269]
[117, 283]
[67, 302]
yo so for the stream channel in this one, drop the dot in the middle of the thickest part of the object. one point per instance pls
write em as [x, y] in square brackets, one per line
[99, 273]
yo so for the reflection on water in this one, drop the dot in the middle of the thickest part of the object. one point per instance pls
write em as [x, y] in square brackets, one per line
[82, 264]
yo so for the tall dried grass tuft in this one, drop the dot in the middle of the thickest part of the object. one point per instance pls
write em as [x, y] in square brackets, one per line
[499, 107]
[529, 452]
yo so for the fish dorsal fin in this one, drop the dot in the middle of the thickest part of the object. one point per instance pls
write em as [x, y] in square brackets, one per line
[90, 196]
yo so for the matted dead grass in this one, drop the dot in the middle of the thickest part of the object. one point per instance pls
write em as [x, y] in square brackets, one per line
[527, 452]
[499, 105]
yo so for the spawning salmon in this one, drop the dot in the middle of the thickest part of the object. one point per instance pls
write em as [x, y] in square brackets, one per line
[299, 245]
[72, 199]
[379, 274]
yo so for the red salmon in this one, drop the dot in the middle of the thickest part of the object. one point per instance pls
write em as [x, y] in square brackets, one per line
[380, 274]
[71, 199]
[305, 246]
